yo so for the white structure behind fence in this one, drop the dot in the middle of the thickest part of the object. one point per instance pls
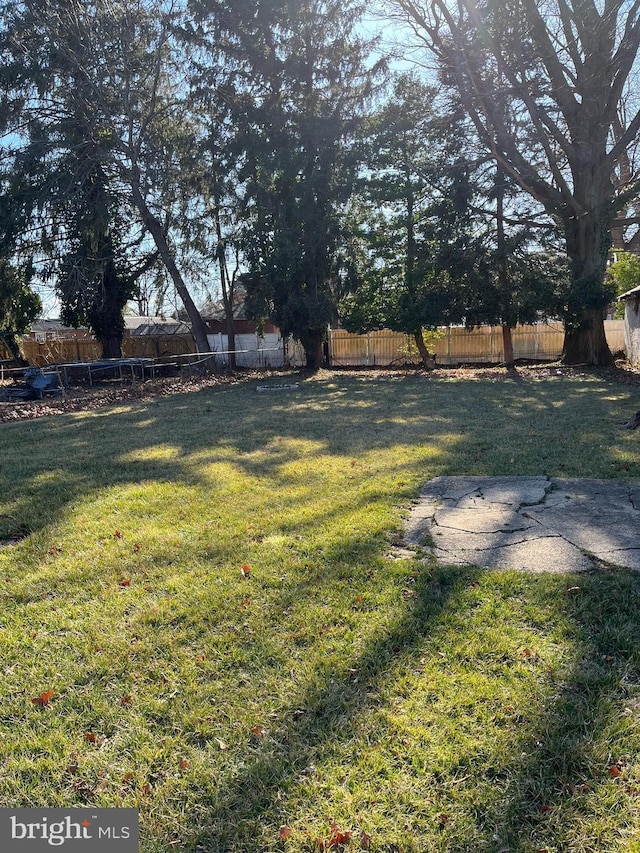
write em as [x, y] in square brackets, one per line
[252, 350]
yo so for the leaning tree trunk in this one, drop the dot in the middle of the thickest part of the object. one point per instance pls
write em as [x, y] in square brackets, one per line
[11, 342]
[198, 326]
[585, 341]
[428, 362]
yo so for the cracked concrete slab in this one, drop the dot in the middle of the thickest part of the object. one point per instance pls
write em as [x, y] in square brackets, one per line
[535, 524]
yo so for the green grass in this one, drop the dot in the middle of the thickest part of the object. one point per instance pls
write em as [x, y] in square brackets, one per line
[422, 708]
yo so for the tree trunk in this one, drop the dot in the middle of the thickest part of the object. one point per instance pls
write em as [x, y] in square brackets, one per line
[507, 345]
[231, 335]
[503, 271]
[111, 346]
[106, 315]
[428, 362]
[11, 342]
[227, 293]
[313, 350]
[585, 341]
[198, 326]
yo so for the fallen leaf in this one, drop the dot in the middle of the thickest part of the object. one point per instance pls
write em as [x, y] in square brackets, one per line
[284, 832]
[245, 571]
[136, 547]
[545, 809]
[43, 699]
[365, 840]
[258, 731]
[221, 743]
[527, 654]
[339, 836]
[126, 700]
[117, 535]
[145, 789]
[184, 764]
[125, 582]
[614, 771]
[91, 737]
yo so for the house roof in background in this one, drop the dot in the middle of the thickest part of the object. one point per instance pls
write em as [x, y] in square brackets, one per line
[138, 326]
[55, 325]
[134, 324]
[215, 310]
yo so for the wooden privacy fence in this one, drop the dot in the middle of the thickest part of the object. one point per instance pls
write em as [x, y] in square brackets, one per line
[452, 345]
[87, 349]
[457, 345]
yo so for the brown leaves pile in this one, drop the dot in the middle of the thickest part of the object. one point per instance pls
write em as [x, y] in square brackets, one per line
[88, 399]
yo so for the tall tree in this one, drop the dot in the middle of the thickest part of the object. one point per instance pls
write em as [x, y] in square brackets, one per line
[543, 84]
[413, 225]
[300, 85]
[19, 306]
[520, 279]
[114, 64]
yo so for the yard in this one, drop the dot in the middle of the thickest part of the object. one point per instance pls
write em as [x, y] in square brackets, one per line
[201, 619]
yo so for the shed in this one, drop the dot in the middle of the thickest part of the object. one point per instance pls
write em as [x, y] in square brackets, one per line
[631, 301]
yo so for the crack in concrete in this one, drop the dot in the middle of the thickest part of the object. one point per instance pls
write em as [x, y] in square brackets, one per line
[503, 545]
[578, 523]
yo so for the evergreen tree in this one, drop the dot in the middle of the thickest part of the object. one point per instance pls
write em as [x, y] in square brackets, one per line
[414, 234]
[299, 93]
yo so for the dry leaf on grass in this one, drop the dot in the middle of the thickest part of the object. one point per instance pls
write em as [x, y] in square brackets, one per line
[43, 699]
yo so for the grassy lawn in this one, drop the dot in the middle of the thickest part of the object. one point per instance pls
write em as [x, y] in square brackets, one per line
[207, 614]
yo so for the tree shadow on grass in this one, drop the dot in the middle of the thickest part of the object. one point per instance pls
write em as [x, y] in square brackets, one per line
[575, 785]
[555, 790]
[56, 461]
[319, 719]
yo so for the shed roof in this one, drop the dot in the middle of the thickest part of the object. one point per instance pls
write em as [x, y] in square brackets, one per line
[634, 292]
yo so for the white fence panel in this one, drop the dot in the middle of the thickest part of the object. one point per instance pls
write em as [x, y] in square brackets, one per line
[252, 350]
